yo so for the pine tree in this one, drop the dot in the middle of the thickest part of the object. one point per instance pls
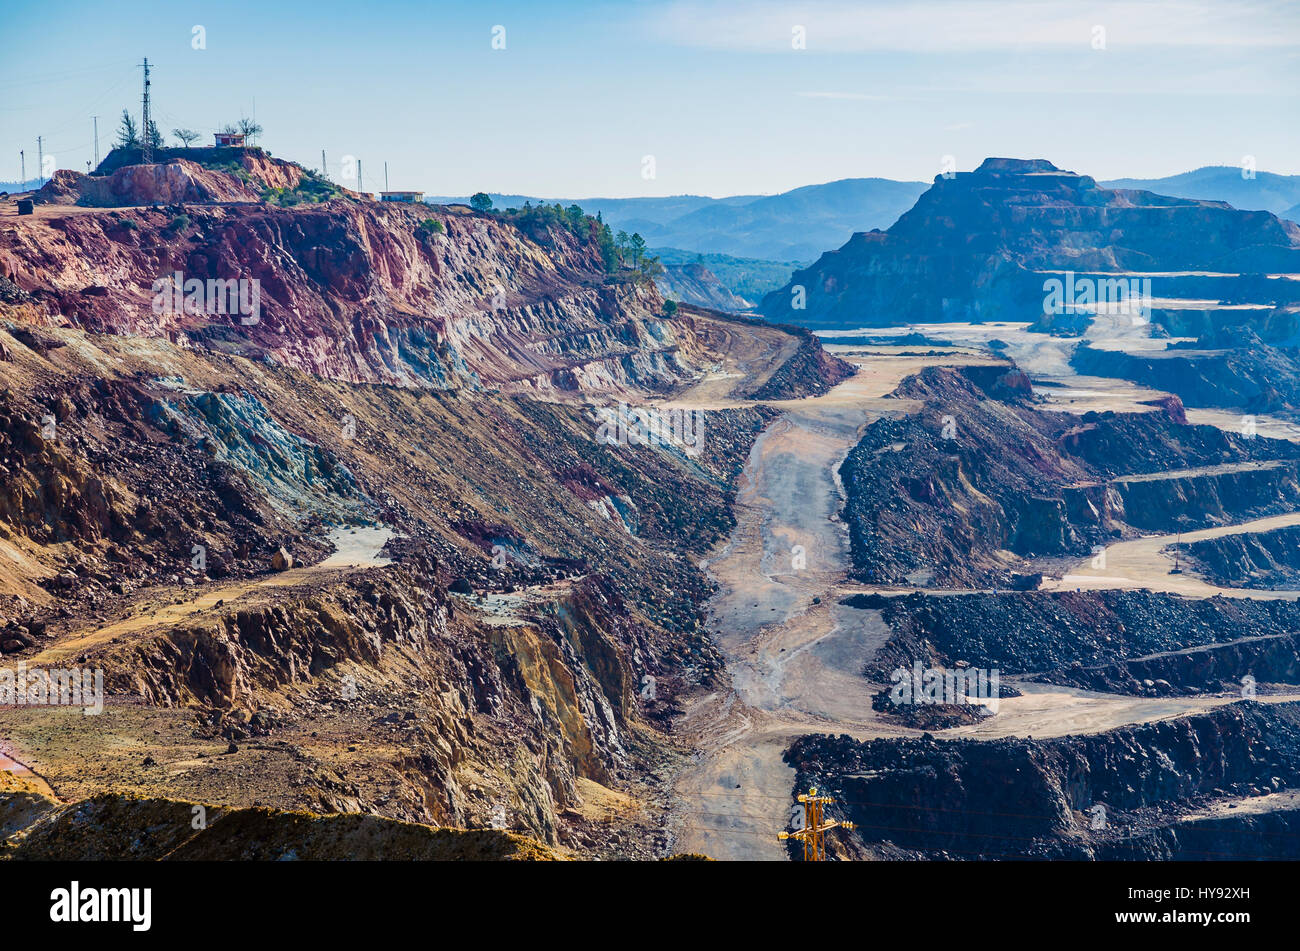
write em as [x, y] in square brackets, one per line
[128, 136]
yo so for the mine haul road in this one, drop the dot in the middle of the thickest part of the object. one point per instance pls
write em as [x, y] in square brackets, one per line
[794, 664]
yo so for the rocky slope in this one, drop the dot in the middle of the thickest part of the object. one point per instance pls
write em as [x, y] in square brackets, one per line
[1131, 642]
[174, 480]
[357, 291]
[981, 478]
[694, 283]
[1248, 375]
[106, 535]
[1251, 559]
[125, 828]
[978, 245]
[195, 175]
[1037, 799]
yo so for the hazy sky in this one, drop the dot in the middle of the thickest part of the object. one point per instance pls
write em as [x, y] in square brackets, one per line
[714, 91]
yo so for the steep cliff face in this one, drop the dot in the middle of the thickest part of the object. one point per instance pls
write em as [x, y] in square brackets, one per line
[355, 291]
[975, 245]
[1248, 376]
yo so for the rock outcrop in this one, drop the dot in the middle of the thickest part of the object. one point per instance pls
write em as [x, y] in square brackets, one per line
[978, 245]
[1086, 638]
[355, 291]
[1249, 377]
[156, 184]
[1268, 559]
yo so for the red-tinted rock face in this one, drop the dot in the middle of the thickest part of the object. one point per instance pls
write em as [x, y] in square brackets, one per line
[158, 184]
[975, 245]
[358, 291]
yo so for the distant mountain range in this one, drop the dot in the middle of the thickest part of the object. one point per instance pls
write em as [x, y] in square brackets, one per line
[797, 225]
[1279, 194]
[27, 186]
[800, 224]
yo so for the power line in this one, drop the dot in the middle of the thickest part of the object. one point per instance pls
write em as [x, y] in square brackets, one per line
[813, 831]
[43, 78]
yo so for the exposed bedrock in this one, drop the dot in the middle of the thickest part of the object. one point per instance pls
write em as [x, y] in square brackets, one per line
[1237, 666]
[1249, 376]
[359, 292]
[1167, 502]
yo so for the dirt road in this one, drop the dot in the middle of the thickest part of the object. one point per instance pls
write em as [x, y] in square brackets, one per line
[1146, 563]
[354, 548]
[794, 655]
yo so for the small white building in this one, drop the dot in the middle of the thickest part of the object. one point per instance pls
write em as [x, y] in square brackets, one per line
[401, 196]
[229, 139]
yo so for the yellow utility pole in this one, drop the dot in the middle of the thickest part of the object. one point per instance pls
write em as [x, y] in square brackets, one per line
[813, 833]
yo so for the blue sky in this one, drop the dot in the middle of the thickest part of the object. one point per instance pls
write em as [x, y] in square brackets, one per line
[714, 91]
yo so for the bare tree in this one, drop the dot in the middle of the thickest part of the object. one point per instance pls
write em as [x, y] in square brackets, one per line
[250, 129]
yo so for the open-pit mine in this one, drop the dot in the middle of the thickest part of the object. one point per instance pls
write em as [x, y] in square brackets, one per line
[397, 558]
